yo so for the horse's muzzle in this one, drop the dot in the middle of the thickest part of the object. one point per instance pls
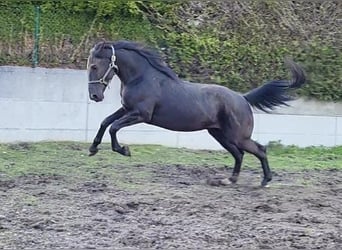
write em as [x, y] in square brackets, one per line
[96, 92]
[96, 98]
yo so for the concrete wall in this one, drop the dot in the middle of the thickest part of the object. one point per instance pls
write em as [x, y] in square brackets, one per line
[52, 104]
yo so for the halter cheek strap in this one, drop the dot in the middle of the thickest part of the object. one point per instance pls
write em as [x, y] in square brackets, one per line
[112, 66]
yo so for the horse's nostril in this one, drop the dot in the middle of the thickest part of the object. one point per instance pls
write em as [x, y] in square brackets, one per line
[96, 98]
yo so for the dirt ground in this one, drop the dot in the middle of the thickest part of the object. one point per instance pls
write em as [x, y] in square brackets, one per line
[175, 207]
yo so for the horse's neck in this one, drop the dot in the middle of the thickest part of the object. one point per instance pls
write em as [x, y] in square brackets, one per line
[129, 65]
[132, 81]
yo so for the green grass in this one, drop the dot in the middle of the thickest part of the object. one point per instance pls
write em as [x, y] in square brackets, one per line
[71, 159]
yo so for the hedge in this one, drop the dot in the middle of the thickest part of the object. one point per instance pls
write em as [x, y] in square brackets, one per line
[238, 43]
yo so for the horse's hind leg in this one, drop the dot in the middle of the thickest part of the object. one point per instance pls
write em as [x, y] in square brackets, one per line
[231, 148]
[259, 151]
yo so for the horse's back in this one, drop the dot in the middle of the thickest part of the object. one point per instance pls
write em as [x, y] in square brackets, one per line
[229, 100]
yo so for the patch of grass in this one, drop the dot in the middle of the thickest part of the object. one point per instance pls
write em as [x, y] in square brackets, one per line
[71, 159]
[295, 158]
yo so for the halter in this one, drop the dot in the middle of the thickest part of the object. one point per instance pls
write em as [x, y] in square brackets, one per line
[112, 66]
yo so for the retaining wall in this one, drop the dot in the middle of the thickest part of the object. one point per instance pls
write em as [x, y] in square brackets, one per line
[52, 104]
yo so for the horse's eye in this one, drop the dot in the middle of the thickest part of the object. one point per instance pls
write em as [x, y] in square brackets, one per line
[93, 67]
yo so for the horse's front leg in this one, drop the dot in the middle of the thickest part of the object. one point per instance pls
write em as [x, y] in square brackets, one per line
[104, 124]
[130, 118]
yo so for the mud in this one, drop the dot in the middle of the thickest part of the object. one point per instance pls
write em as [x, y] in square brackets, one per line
[172, 207]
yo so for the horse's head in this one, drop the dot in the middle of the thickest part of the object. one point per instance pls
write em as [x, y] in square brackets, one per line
[101, 68]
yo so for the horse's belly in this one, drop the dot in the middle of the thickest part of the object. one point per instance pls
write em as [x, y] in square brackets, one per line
[183, 121]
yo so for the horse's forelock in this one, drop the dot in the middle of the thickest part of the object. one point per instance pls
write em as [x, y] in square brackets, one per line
[98, 48]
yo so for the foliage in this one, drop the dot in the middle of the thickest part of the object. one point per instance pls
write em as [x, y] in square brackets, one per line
[239, 44]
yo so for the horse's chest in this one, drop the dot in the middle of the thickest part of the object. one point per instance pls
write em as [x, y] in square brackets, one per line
[126, 101]
[129, 98]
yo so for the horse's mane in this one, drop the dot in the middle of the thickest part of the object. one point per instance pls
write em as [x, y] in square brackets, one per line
[154, 58]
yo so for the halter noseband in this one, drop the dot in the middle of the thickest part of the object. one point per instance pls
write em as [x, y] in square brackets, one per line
[112, 66]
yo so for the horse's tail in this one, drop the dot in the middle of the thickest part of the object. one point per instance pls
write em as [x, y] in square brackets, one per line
[275, 93]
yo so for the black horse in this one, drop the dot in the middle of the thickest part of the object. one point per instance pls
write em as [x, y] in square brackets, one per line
[152, 93]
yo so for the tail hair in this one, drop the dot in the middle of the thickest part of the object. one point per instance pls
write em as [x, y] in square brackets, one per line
[276, 93]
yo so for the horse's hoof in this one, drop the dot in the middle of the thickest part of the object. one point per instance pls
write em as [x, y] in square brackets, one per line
[93, 151]
[233, 179]
[125, 151]
[265, 182]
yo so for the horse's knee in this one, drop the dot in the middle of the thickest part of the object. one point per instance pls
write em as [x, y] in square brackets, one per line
[113, 129]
